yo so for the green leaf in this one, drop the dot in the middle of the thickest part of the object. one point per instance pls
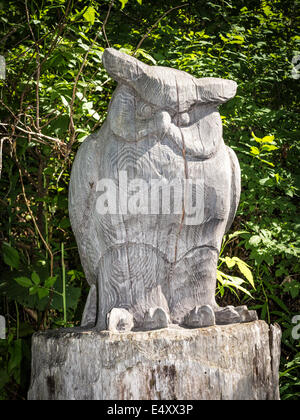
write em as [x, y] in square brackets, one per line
[72, 297]
[96, 116]
[255, 240]
[24, 281]
[268, 163]
[10, 256]
[89, 15]
[254, 150]
[35, 278]
[278, 178]
[257, 139]
[144, 54]
[80, 96]
[4, 378]
[280, 303]
[33, 290]
[229, 262]
[266, 181]
[65, 102]
[88, 106]
[293, 287]
[244, 269]
[223, 38]
[15, 351]
[236, 233]
[139, 2]
[42, 292]
[269, 147]
[50, 282]
[123, 2]
[231, 281]
[268, 139]
[264, 311]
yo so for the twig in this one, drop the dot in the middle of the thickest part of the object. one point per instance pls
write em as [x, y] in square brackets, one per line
[71, 105]
[9, 110]
[31, 313]
[38, 72]
[13, 30]
[31, 139]
[105, 22]
[28, 21]
[49, 120]
[61, 25]
[156, 23]
[1, 149]
[33, 217]
[43, 136]
[30, 179]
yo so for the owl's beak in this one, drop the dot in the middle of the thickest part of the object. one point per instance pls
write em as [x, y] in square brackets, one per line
[215, 90]
[121, 66]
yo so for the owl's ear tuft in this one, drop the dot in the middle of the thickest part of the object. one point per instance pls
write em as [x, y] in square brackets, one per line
[121, 66]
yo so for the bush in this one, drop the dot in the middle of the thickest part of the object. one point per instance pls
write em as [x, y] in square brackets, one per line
[56, 92]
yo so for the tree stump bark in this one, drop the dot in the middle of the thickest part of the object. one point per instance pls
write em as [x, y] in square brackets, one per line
[231, 362]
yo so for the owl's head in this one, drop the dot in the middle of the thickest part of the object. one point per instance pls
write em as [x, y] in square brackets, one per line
[159, 101]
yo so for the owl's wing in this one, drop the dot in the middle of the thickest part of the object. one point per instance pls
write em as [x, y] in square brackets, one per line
[82, 206]
[235, 186]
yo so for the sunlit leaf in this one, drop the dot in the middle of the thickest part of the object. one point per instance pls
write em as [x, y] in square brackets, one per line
[257, 139]
[254, 150]
[229, 262]
[146, 55]
[255, 240]
[267, 162]
[268, 139]
[89, 15]
[123, 2]
[269, 147]
[244, 269]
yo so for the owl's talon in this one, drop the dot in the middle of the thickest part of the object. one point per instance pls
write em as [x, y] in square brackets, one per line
[156, 319]
[245, 314]
[119, 320]
[200, 316]
[227, 315]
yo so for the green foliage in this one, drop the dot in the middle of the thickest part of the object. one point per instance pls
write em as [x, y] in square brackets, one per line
[233, 283]
[56, 92]
[290, 381]
[10, 256]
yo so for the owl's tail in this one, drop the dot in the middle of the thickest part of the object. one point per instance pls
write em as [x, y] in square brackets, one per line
[89, 316]
[235, 186]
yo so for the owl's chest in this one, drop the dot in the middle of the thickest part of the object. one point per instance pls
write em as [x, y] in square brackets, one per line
[150, 159]
[149, 178]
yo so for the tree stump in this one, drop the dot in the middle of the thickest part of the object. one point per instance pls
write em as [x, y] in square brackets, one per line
[230, 362]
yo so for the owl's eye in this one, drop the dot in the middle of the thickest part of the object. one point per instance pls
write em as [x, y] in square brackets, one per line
[183, 119]
[145, 111]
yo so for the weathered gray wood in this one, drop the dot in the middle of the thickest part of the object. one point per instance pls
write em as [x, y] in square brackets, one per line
[230, 362]
[163, 125]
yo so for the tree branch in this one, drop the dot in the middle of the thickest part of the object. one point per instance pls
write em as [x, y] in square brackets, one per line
[71, 105]
[156, 23]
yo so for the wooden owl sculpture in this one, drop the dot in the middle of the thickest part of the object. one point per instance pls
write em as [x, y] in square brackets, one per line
[151, 195]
